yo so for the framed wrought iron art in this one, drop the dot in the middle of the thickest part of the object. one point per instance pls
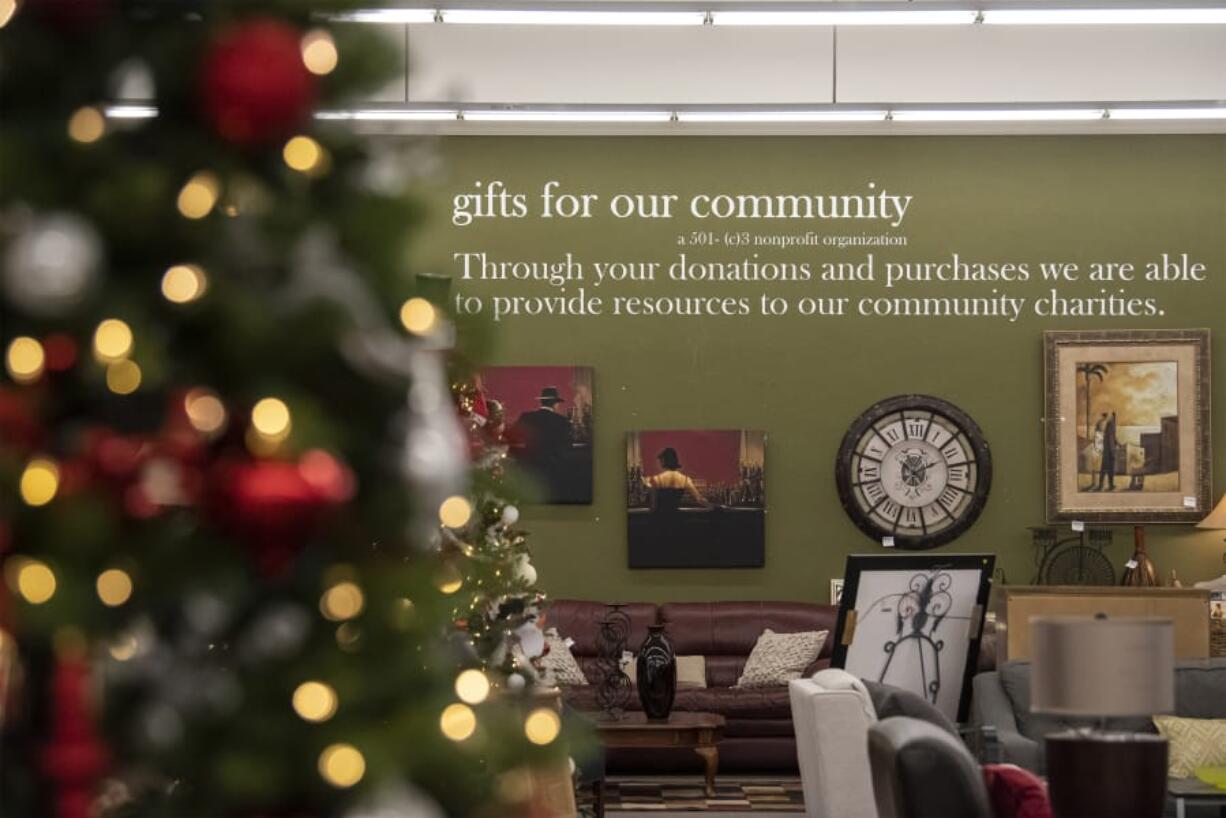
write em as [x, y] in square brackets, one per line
[1127, 425]
[915, 622]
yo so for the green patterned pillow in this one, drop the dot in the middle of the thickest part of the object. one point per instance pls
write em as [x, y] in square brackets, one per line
[1194, 743]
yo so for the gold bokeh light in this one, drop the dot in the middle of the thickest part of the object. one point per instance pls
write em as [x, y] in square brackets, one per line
[25, 359]
[198, 197]
[123, 377]
[86, 125]
[542, 726]
[342, 765]
[112, 341]
[342, 601]
[319, 53]
[40, 481]
[205, 411]
[472, 686]
[7, 9]
[114, 587]
[35, 582]
[184, 283]
[315, 701]
[455, 512]
[302, 153]
[418, 316]
[448, 579]
[458, 722]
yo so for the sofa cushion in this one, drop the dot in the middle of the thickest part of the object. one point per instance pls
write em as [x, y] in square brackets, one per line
[893, 701]
[1200, 689]
[733, 628]
[559, 665]
[1193, 742]
[778, 658]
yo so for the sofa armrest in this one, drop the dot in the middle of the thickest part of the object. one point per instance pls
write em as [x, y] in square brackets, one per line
[991, 707]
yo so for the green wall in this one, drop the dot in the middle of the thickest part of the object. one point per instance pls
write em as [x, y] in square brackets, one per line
[803, 380]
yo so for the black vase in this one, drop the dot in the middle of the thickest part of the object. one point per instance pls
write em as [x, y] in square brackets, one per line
[656, 673]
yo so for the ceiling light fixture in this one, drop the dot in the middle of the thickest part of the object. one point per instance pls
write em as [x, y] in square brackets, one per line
[563, 115]
[996, 115]
[901, 17]
[1104, 16]
[782, 116]
[391, 115]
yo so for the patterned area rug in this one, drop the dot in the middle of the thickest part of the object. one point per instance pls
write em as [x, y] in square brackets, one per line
[688, 796]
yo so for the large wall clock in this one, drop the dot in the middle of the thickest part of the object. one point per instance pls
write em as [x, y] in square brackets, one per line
[914, 468]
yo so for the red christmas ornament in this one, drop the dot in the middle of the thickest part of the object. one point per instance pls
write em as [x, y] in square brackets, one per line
[272, 507]
[21, 430]
[74, 757]
[253, 84]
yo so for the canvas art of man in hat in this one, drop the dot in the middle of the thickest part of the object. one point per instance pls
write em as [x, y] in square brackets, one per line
[544, 434]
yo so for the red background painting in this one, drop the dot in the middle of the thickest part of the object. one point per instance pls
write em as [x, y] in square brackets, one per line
[712, 456]
[518, 388]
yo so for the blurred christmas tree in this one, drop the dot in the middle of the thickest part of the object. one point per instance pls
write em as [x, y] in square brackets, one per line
[228, 442]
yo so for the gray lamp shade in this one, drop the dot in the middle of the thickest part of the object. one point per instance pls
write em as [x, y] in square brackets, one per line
[1100, 667]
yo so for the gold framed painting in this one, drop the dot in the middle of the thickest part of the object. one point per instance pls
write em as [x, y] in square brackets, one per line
[1127, 425]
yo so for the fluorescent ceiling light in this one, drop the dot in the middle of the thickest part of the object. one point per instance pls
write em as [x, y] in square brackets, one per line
[563, 17]
[389, 16]
[1104, 16]
[998, 115]
[916, 17]
[131, 111]
[563, 115]
[780, 116]
[390, 115]
[1168, 113]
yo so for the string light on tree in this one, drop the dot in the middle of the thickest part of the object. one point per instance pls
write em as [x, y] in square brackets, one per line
[455, 512]
[184, 283]
[472, 686]
[25, 359]
[112, 341]
[315, 701]
[342, 601]
[40, 481]
[458, 722]
[302, 153]
[199, 195]
[123, 377]
[205, 411]
[86, 125]
[342, 765]
[319, 53]
[35, 582]
[418, 316]
[542, 726]
[270, 418]
[114, 587]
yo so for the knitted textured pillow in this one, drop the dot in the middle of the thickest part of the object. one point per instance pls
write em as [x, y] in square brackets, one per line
[559, 663]
[1194, 743]
[778, 658]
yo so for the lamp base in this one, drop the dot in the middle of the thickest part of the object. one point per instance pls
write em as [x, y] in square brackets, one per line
[1093, 774]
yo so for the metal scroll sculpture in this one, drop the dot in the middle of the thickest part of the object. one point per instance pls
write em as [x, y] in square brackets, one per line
[613, 688]
[918, 615]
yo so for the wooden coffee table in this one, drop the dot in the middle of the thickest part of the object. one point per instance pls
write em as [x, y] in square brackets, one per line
[697, 731]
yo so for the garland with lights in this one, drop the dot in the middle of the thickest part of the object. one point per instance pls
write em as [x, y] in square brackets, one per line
[226, 439]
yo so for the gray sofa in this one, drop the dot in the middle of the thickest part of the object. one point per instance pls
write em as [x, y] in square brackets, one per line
[1002, 701]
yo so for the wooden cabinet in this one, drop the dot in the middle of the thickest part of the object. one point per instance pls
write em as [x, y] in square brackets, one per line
[1015, 605]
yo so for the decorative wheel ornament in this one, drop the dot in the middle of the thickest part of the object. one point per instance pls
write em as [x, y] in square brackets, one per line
[915, 468]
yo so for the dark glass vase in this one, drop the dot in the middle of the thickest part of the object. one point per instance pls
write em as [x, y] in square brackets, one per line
[656, 673]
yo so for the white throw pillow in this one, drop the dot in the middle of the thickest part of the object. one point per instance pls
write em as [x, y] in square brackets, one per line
[559, 663]
[691, 671]
[778, 658]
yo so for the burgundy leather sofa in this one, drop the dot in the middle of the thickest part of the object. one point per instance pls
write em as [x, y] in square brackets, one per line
[758, 736]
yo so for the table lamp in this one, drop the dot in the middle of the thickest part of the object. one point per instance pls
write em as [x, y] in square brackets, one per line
[1096, 668]
[1216, 518]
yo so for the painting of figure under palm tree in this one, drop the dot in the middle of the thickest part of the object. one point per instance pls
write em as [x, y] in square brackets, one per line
[1128, 426]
